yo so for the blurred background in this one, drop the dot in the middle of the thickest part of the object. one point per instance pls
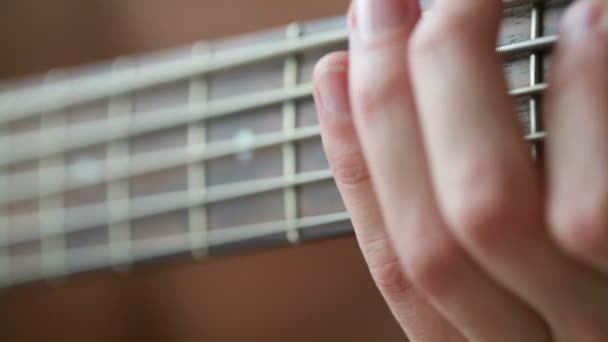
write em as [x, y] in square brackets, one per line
[316, 292]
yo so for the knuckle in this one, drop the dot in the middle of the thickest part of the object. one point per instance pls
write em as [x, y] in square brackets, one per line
[376, 90]
[479, 200]
[457, 31]
[349, 169]
[450, 30]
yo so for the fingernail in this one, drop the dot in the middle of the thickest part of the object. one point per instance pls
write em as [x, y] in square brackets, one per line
[333, 94]
[375, 17]
[603, 20]
[584, 17]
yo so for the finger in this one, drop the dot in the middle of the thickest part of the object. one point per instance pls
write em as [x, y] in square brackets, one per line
[578, 145]
[417, 317]
[482, 170]
[387, 126]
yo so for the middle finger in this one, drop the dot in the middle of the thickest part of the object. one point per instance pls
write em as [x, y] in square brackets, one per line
[386, 122]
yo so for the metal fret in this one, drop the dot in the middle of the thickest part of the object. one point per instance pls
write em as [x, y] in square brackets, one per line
[536, 73]
[51, 208]
[118, 192]
[197, 215]
[5, 261]
[290, 200]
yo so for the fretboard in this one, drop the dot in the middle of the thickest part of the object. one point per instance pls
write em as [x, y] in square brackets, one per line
[196, 151]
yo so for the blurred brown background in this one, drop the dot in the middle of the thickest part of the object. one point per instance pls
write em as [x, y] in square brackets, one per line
[39, 35]
[317, 292]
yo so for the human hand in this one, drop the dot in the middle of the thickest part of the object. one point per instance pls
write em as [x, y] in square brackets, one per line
[465, 236]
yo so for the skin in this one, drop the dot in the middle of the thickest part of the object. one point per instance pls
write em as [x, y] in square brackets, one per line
[465, 236]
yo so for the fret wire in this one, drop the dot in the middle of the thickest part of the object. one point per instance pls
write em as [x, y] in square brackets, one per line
[290, 79]
[18, 105]
[92, 258]
[51, 216]
[5, 261]
[536, 26]
[150, 162]
[5, 149]
[197, 215]
[118, 191]
[94, 134]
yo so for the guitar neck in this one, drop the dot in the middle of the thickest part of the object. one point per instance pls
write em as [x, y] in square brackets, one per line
[195, 151]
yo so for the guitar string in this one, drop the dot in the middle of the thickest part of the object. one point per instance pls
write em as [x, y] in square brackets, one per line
[150, 162]
[5, 258]
[16, 105]
[91, 216]
[90, 134]
[96, 257]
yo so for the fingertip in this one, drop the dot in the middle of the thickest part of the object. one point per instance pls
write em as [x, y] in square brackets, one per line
[351, 17]
[584, 17]
[331, 89]
[334, 61]
[373, 22]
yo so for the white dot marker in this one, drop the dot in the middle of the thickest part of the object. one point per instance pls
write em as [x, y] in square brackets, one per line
[85, 169]
[245, 140]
